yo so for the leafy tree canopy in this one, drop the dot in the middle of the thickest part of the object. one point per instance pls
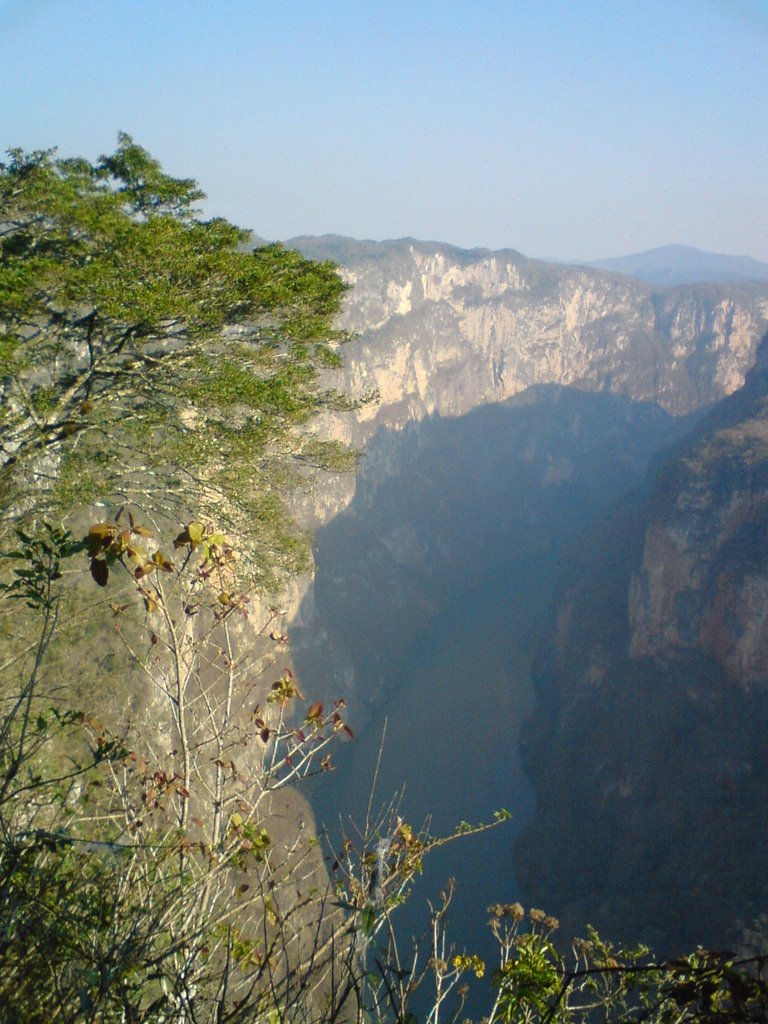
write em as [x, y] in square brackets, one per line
[146, 355]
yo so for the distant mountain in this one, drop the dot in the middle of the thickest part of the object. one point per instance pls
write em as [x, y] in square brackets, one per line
[681, 264]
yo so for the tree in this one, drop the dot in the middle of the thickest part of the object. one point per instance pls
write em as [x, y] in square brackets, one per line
[146, 356]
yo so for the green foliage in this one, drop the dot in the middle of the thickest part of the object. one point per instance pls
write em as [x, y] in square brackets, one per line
[39, 565]
[131, 881]
[146, 356]
[536, 984]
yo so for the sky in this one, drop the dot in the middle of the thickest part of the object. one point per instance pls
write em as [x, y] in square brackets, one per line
[573, 129]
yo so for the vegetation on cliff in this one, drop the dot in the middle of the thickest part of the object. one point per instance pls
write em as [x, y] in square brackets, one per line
[147, 356]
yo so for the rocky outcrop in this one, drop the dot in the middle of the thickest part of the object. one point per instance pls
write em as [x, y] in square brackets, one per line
[702, 584]
[439, 331]
[648, 748]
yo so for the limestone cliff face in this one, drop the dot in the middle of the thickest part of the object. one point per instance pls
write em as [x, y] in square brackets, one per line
[698, 579]
[648, 748]
[443, 330]
[702, 583]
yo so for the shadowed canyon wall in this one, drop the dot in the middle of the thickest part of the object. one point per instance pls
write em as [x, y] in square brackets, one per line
[648, 748]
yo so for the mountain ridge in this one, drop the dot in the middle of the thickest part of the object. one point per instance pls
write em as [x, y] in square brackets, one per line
[438, 329]
[664, 266]
[672, 265]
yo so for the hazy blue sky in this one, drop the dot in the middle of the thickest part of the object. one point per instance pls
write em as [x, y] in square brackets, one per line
[578, 129]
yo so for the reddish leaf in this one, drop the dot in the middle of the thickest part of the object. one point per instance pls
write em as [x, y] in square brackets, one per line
[314, 711]
[95, 545]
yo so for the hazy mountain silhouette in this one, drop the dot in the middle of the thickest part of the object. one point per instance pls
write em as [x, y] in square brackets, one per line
[682, 264]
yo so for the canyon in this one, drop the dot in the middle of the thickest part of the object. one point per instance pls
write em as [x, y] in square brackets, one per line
[546, 585]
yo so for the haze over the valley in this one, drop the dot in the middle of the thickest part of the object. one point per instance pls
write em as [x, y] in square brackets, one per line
[579, 131]
[561, 507]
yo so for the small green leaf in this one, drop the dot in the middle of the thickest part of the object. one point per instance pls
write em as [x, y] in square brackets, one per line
[196, 532]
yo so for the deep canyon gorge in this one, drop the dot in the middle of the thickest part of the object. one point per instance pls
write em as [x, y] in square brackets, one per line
[549, 579]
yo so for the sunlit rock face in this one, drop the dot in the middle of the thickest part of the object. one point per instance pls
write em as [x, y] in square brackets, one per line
[443, 330]
[648, 749]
